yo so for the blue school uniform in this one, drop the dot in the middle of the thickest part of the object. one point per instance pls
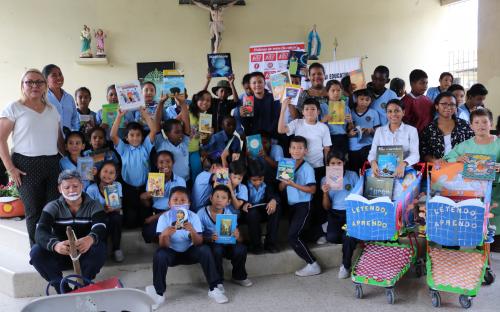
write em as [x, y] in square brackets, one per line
[256, 195]
[433, 92]
[161, 203]
[150, 110]
[304, 175]
[180, 240]
[171, 112]
[95, 193]
[369, 119]
[67, 109]
[218, 142]
[380, 103]
[181, 154]
[241, 193]
[276, 154]
[135, 161]
[334, 129]
[67, 164]
[109, 155]
[202, 188]
[337, 197]
[464, 113]
[207, 222]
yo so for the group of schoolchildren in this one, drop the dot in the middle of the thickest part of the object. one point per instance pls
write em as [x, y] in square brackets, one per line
[164, 137]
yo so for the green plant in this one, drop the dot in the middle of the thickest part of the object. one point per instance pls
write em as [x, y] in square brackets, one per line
[9, 190]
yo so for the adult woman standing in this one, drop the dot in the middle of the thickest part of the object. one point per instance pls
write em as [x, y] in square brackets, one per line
[317, 89]
[444, 132]
[36, 135]
[62, 100]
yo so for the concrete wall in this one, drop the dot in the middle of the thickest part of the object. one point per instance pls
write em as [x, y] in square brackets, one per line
[403, 34]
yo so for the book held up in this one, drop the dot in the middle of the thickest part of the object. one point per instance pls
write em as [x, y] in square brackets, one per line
[286, 169]
[129, 95]
[225, 225]
[219, 64]
[156, 184]
[112, 196]
[388, 158]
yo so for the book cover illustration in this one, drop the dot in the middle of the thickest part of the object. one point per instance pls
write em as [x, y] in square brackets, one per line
[112, 196]
[222, 176]
[85, 166]
[86, 120]
[447, 180]
[225, 225]
[205, 123]
[153, 72]
[254, 145]
[179, 214]
[248, 102]
[357, 79]
[293, 92]
[156, 184]
[129, 95]
[479, 167]
[388, 158]
[173, 82]
[336, 110]
[278, 83]
[335, 177]
[219, 64]
[286, 169]
[297, 63]
[378, 187]
[109, 114]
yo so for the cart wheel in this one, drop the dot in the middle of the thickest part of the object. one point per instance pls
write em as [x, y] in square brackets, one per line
[465, 301]
[358, 291]
[389, 293]
[435, 299]
[489, 276]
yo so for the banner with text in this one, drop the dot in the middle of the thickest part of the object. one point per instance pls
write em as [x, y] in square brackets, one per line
[271, 58]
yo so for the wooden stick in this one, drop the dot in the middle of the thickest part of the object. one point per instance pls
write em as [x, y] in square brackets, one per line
[73, 252]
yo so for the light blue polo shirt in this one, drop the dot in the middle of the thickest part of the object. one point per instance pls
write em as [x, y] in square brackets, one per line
[67, 164]
[256, 195]
[67, 109]
[181, 154]
[432, 93]
[380, 103]
[135, 161]
[464, 113]
[202, 189]
[108, 156]
[241, 193]
[304, 175]
[207, 223]
[161, 203]
[95, 193]
[369, 119]
[337, 197]
[179, 241]
[334, 129]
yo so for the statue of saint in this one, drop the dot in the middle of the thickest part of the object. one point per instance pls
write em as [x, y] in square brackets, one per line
[99, 36]
[314, 44]
[85, 38]
[216, 21]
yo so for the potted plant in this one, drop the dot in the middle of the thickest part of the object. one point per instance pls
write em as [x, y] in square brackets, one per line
[10, 204]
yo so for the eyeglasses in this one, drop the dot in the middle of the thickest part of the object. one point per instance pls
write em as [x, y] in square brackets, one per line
[32, 83]
[448, 105]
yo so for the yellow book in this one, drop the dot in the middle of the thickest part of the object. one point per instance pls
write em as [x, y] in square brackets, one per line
[156, 184]
[336, 109]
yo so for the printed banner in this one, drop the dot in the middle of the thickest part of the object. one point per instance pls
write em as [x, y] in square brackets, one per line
[271, 58]
[341, 68]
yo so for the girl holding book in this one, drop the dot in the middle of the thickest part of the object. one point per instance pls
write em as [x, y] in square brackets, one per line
[333, 201]
[74, 144]
[108, 192]
[99, 145]
[201, 104]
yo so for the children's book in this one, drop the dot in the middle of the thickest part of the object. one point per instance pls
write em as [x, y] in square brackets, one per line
[129, 95]
[85, 120]
[85, 166]
[205, 123]
[254, 145]
[225, 225]
[112, 196]
[286, 169]
[447, 180]
[156, 184]
[388, 158]
[297, 63]
[180, 215]
[336, 109]
[153, 72]
[378, 187]
[479, 167]
[109, 113]
[219, 64]
[222, 176]
[335, 177]
[248, 102]
[293, 92]
[173, 82]
[357, 79]
[278, 83]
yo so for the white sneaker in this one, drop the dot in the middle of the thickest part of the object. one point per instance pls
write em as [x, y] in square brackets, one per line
[344, 273]
[217, 296]
[309, 270]
[245, 283]
[159, 300]
[322, 240]
[221, 288]
[118, 255]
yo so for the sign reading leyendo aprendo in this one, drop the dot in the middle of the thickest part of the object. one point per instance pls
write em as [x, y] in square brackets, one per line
[376, 221]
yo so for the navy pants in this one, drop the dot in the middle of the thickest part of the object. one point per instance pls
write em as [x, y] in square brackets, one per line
[237, 254]
[114, 226]
[134, 212]
[167, 257]
[299, 213]
[335, 235]
[254, 217]
[51, 264]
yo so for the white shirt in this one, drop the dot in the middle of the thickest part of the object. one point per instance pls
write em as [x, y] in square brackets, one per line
[405, 135]
[317, 136]
[447, 143]
[34, 134]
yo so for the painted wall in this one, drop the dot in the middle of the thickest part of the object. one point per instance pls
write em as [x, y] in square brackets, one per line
[402, 34]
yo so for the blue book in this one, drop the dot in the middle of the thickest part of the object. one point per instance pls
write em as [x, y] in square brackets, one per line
[85, 166]
[388, 158]
[254, 145]
[225, 225]
[286, 169]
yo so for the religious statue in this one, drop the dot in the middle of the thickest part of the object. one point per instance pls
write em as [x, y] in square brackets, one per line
[99, 37]
[85, 37]
[216, 21]
[313, 44]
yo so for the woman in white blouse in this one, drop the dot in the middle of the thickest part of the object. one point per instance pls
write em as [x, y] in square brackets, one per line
[37, 139]
[395, 132]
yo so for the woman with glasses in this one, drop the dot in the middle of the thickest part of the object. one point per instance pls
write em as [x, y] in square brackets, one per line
[445, 131]
[36, 141]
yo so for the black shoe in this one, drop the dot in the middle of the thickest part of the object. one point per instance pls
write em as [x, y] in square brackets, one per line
[272, 248]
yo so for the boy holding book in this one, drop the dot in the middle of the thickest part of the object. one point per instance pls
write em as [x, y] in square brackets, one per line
[223, 140]
[299, 192]
[238, 191]
[202, 186]
[177, 142]
[418, 107]
[237, 253]
[221, 104]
